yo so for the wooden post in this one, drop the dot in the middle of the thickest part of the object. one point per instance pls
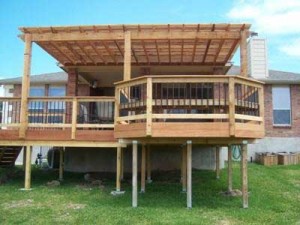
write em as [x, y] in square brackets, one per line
[149, 107]
[261, 104]
[28, 168]
[143, 169]
[74, 117]
[61, 165]
[218, 162]
[127, 56]
[189, 174]
[122, 164]
[231, 107]
[243, 54]
[24, 158]
[117, 104]
[134, 174]
[118, 177]
[25, 86]
[229, 169]
[244, 175]
[148, 158]
[183, 168]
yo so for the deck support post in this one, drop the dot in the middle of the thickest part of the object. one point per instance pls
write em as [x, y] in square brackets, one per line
[143, 169]
[28, 168]
[122, 165]
[25, 86]
[183, 168]
[148, 164]
[218, 162]
[61, 165]
[134, 174]
[229, 169]
[118, 175]
[189, 174]
[24, 158]
[244, 174]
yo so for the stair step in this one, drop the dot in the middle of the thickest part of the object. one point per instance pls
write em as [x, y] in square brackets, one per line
[8, 155]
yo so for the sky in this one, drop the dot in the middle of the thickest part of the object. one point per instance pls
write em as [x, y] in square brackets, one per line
[276, 20]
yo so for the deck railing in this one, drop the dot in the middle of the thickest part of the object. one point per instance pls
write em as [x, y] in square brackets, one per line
[195, 99]
[59, 113]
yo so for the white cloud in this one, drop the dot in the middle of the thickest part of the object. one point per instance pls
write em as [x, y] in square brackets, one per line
[271, 17]
[292, 48]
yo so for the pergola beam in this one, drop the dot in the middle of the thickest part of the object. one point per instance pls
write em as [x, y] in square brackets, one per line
[135, 35]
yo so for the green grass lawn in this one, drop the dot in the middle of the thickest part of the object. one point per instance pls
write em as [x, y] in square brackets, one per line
[274, 199]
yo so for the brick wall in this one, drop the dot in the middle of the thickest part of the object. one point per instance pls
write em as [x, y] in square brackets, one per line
[17, 90]
[290, 131]
[83, 90]
[72, 87]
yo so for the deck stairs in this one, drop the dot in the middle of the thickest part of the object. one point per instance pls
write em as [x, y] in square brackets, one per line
[8, 155]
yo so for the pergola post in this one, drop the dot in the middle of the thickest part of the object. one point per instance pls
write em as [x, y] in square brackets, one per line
[25, 86]
[118, 175]
[28, 168]
[244, 174]
[143, 169]
[218, 162]
[183, 168]
[134, 174]
[189, 174]
[61, 165]
[127, 56]
[243, 54]
[148, 164]
[229, 169]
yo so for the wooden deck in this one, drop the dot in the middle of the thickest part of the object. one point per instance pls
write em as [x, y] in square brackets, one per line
[149, 106]
[189, 107]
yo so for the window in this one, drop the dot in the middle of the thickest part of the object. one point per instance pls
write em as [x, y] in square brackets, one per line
[36, 108]
[36, 91]
[57, 91]
[281, 105]
[56, 108]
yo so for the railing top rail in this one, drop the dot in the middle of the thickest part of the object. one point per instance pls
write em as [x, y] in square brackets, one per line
[141, 78]
[70, 98]
[9, 98]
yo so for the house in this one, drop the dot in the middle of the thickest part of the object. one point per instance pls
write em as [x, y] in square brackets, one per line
[281, 116]
[139, 86]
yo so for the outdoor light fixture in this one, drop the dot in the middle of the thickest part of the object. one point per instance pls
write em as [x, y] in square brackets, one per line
[94, 84]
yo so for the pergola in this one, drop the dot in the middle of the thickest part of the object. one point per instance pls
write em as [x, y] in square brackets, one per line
[170, 44]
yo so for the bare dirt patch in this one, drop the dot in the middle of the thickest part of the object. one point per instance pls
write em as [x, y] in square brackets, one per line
[19, 204]
[75, 206]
